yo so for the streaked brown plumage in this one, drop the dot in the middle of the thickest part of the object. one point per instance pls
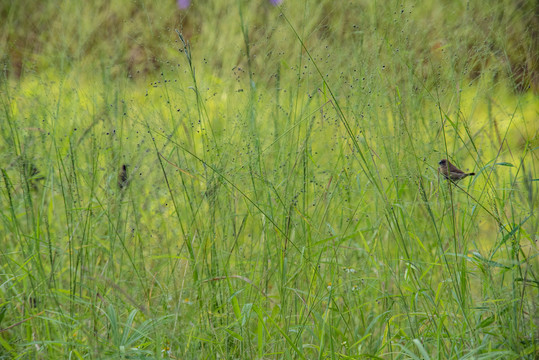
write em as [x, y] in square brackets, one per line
[123, 179]
[451, 172]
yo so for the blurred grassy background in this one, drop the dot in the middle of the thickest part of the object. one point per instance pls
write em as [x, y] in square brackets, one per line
[282, 198]
[495, 40]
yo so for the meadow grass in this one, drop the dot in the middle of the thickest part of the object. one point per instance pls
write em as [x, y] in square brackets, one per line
[281, 197]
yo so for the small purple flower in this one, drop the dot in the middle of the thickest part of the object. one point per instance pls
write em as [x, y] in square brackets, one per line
[183, 4]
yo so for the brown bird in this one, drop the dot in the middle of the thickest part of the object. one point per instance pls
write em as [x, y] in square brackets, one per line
[32, 174]
[123, 179]
[451, 172]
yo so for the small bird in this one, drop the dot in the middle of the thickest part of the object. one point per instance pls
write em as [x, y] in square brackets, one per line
[32, 174]
[451, 172]
[123, 179]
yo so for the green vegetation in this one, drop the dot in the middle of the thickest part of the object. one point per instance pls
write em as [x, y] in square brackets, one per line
[280, 196]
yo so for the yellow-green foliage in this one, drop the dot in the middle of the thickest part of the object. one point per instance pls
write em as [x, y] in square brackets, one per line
[282, 197]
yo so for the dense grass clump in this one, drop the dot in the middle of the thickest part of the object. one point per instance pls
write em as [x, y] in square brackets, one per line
[244, 181]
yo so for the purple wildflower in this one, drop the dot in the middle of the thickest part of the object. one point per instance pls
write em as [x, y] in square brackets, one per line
[183, 4]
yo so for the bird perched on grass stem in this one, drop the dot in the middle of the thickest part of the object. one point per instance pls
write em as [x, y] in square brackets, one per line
[451, 172]
[123, 179]
[32, 174]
